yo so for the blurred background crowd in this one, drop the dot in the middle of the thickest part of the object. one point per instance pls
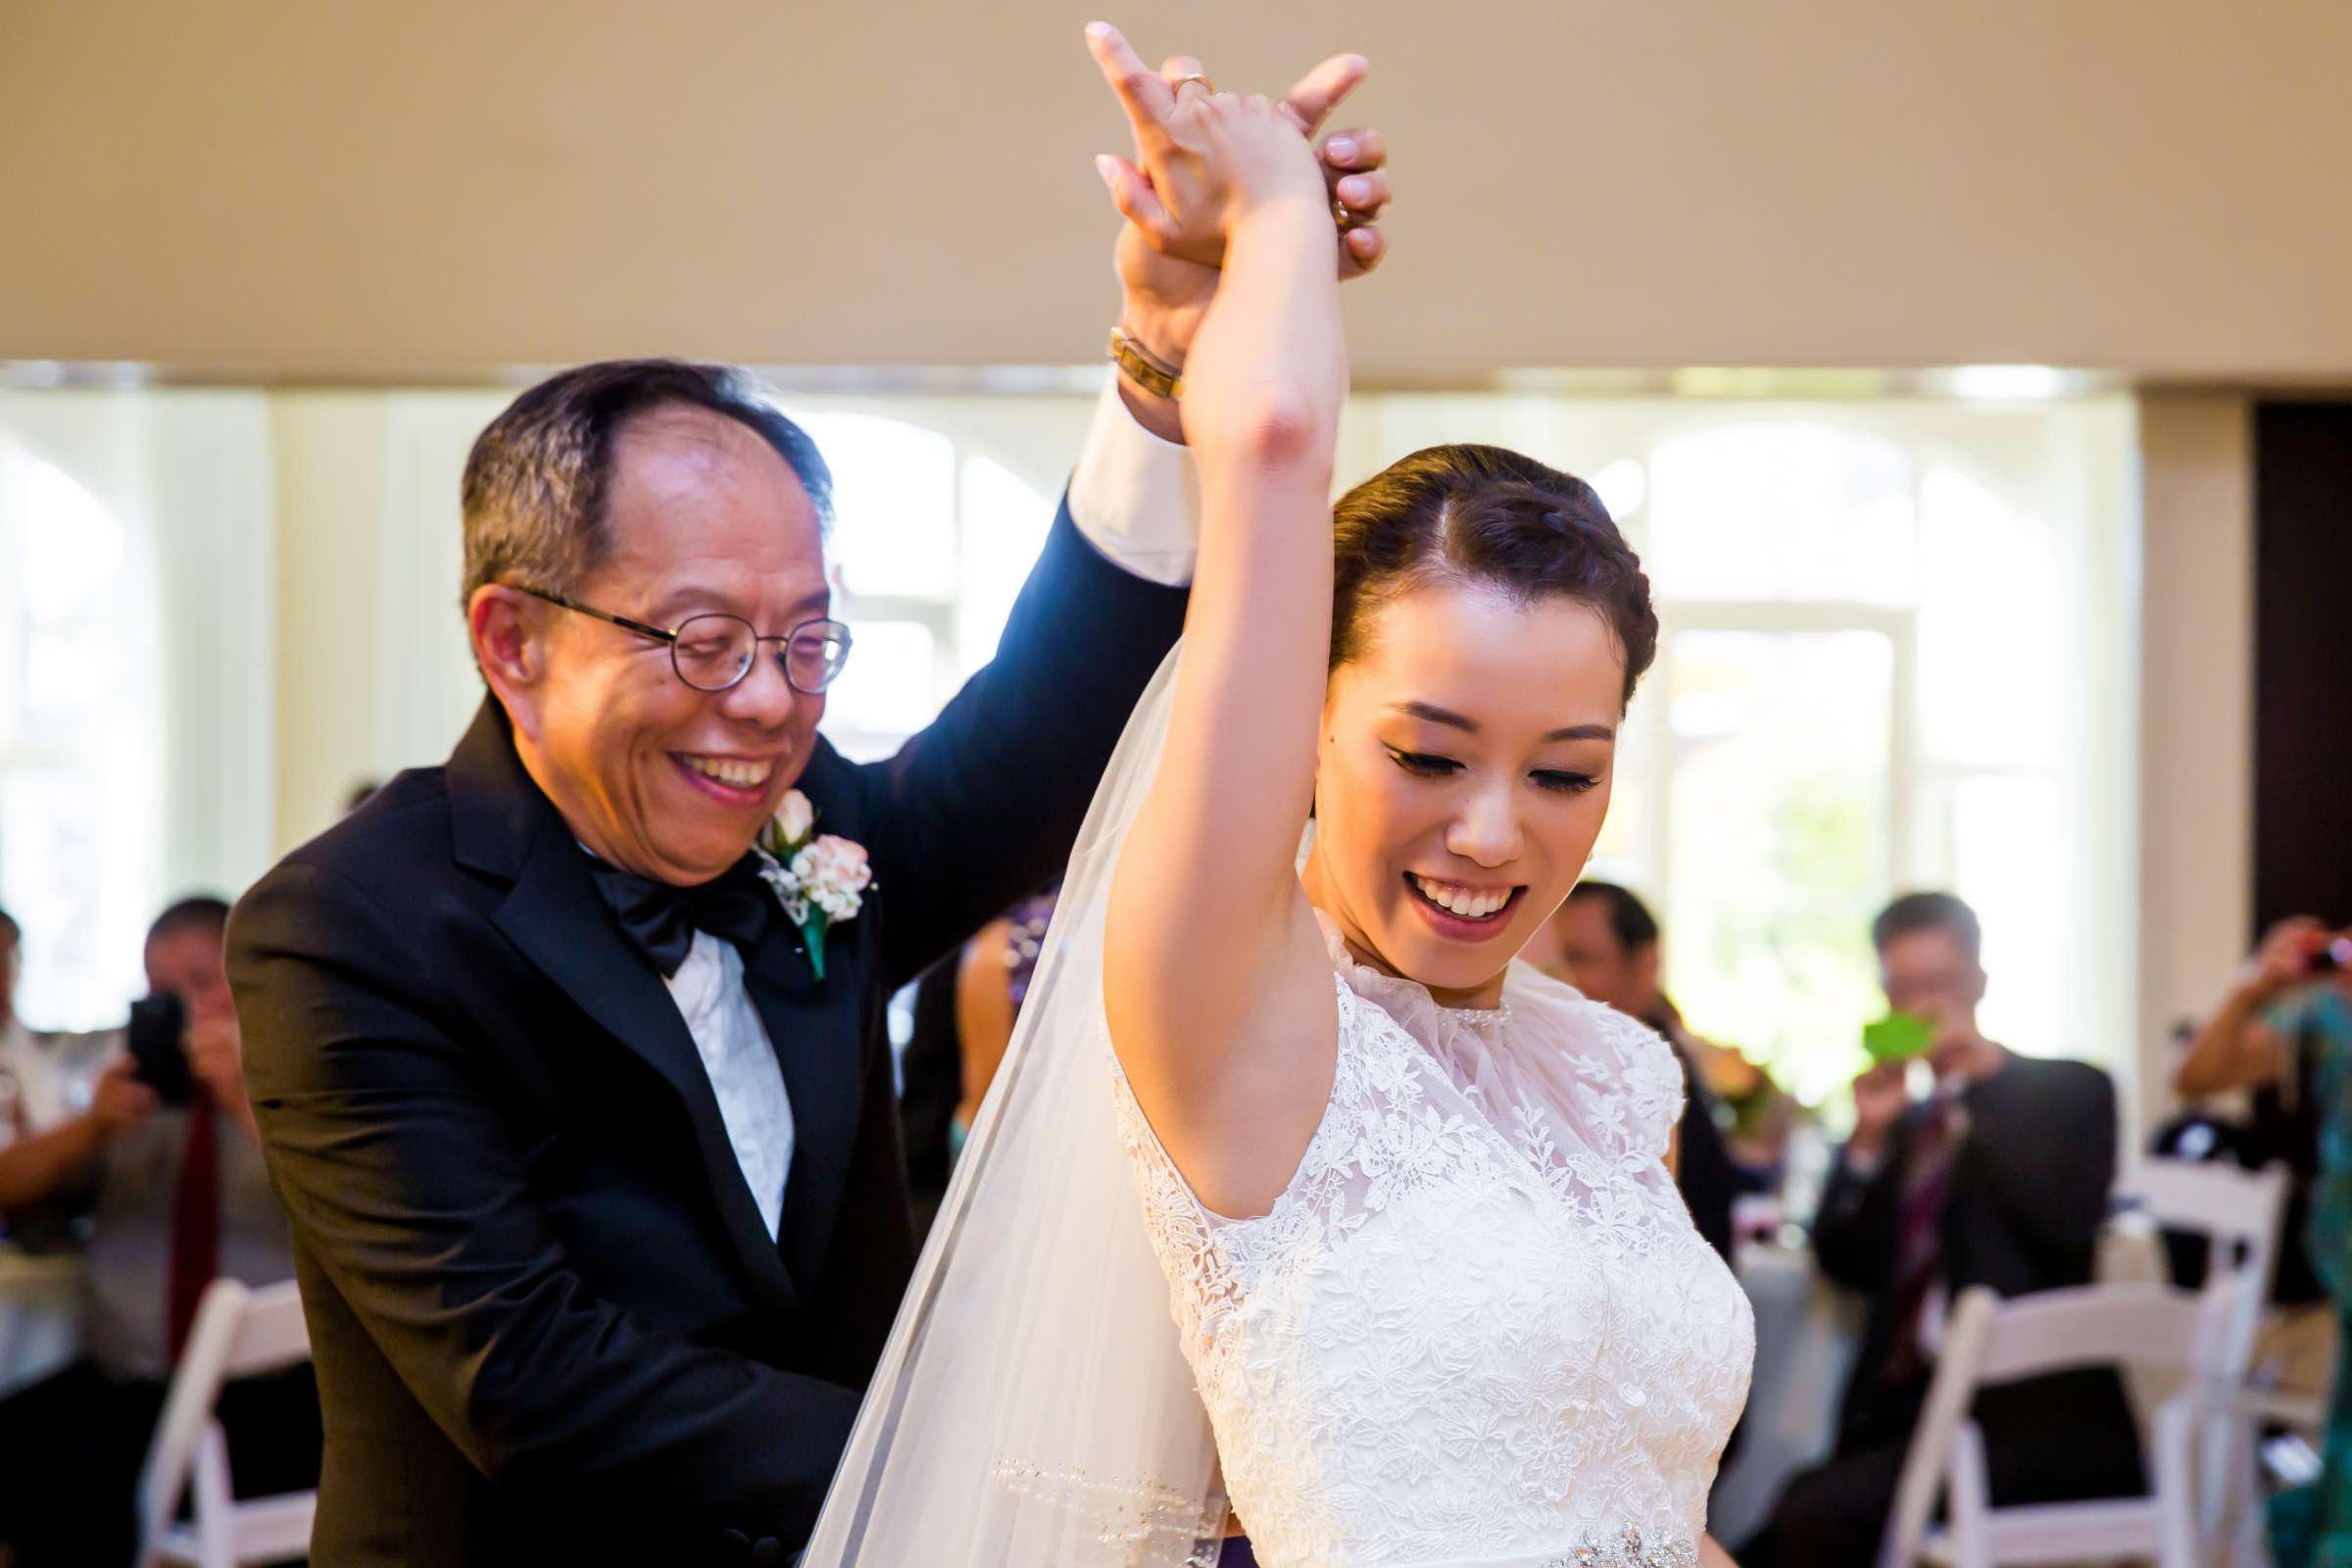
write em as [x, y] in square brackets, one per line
[2004, 683]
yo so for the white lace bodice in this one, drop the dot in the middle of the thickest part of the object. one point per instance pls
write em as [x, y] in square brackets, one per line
[1478, 1327]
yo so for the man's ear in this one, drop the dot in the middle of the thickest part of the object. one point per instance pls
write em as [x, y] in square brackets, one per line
[1646, 961]
[507, 632]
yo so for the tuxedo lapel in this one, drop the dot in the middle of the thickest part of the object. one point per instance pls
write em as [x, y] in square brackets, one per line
[817, 1028]
[555, 916]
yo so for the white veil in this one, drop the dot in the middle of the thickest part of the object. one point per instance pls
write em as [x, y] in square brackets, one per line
[1032, 1409]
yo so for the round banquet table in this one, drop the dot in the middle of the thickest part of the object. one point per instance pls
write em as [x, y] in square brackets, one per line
[1806, 1330]
[40, 1315]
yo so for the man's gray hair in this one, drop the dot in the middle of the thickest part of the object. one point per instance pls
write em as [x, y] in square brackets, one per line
[535, 481]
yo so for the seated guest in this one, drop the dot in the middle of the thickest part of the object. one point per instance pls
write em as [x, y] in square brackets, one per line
[34, 1067]
[1604, 941]
[1998, 1178]
[17, 1053]
[167, 1195]
[991, 983]
[930, 1088]
[2287, 1025]
[964, 1009]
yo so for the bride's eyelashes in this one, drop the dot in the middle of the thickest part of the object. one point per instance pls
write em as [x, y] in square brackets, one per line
[1421, 764]
[1564, 783]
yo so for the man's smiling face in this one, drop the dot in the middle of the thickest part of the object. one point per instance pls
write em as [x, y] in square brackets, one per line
[701, 514]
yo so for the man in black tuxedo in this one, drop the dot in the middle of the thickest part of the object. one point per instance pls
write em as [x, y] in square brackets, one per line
[1999, 1178]
[593, 1166]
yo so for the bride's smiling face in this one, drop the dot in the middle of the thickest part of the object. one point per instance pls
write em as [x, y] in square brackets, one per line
[1463, 774]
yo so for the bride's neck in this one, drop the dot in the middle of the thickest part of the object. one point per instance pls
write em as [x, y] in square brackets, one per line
[1324, 895]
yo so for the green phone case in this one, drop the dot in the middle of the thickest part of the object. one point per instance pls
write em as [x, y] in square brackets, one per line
[1898, 1037]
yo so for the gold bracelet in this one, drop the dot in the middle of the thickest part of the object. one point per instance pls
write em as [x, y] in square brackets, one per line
[1144, 369]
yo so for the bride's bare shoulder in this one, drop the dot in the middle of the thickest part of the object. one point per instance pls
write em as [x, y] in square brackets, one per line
[1234, 1070]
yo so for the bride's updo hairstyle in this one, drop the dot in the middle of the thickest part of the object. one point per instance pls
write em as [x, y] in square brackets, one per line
[1484, 514]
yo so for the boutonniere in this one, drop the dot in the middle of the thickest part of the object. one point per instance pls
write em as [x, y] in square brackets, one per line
[821, 878]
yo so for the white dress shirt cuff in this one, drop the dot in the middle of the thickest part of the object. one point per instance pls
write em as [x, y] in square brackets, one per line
[1134, 497]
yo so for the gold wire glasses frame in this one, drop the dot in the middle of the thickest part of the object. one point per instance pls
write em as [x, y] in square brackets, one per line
[713, 652]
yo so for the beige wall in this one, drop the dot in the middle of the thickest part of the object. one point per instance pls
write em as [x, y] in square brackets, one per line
[370, 189]
[2196, 715]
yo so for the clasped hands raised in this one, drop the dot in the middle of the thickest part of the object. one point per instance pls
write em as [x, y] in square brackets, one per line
[1202, 157]
[1199, 152]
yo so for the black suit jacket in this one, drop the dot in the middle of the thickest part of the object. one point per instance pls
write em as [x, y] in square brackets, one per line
[930, 1088]
[549, 1323]
[2028, 1192]
[1706, 1175]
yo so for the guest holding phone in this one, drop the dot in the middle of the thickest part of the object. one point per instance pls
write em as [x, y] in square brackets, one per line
[1999, 1177]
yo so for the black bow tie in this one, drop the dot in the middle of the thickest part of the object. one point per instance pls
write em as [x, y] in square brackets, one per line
[661, 920]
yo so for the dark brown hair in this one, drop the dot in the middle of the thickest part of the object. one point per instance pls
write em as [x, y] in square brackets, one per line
[1630, 921]
[1930, 911]
[535, 481]
[202, 911]
[1485, 514]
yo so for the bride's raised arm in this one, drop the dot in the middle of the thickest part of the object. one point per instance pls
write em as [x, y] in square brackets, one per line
[1219, 997]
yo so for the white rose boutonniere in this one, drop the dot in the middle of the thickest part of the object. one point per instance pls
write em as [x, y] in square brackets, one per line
[793, 820]
[821, 879]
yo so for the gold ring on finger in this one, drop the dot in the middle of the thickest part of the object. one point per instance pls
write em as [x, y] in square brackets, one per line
[1206, 85]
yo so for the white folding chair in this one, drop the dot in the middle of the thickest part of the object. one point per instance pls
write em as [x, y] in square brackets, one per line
[2249, 1409]
[239, 1332]
[1989, 1340]
[2239, 1213]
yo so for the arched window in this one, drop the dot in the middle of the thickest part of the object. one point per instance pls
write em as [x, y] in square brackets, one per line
[1858, 692]
[1887, 662]
[931, 544]
[82, 743]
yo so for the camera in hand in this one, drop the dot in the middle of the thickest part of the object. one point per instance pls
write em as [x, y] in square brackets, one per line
[159, 1059]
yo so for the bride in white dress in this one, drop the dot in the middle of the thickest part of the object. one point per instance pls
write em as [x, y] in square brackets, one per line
[1437, 1298]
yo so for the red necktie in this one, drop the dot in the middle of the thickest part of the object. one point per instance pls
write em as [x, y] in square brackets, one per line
[195, 1222]
[1919, 1226]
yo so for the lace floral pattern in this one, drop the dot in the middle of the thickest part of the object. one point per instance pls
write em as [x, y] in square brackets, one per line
[1478, 1323]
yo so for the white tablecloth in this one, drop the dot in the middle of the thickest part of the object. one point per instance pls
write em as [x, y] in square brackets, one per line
[1805, 1336]
[40, 1316]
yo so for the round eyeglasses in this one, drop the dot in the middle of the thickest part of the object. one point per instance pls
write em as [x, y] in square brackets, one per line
[713, 652]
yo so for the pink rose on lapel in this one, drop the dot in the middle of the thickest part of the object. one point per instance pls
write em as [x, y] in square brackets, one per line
[821, 879]
[833, 874]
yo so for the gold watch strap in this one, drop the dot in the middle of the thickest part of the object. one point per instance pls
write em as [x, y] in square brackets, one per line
[1144, 369]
